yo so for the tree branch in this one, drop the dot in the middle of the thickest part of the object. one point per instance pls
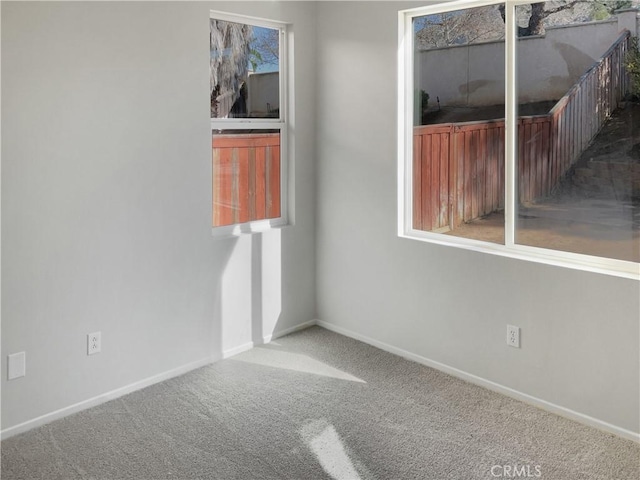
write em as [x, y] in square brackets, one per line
[567, 6]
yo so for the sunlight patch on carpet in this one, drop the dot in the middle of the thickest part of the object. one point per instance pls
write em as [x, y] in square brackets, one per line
[325, 443]
[293, 361]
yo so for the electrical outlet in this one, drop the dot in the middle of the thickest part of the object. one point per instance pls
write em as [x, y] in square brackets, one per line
[513, 336]
[16, 365]
[94, 343]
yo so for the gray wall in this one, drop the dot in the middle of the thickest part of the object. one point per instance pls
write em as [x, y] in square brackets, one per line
[549, 66]
[264, 88]
[106, 201]
[580, 334]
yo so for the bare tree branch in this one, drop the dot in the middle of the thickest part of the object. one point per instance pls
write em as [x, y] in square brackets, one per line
[568, 6]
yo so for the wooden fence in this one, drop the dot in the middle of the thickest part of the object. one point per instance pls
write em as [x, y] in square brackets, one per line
[246, 177]
[458, 168]
[458, 173]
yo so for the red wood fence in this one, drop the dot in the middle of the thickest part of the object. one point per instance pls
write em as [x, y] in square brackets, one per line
[458, 168]
[458, 173]
[246, 177]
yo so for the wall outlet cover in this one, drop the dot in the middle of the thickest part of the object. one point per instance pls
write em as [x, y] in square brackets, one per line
[17, 365]
[513, 336]
[94, 343]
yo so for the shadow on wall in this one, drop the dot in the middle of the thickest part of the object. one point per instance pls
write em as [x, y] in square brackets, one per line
[577, 63]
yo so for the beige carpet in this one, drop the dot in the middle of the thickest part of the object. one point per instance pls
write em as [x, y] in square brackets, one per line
[317, 405]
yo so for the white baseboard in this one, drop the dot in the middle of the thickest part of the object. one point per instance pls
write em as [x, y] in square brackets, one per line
[266, 339]
[287, 331]
[230, 352]
[105, 397]
[119, 392]
[496, 387]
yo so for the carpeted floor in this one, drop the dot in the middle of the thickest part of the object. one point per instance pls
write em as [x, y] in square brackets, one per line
[317, 405]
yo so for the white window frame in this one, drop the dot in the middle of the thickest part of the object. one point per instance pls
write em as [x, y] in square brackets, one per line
[620, 268]
[282, 124]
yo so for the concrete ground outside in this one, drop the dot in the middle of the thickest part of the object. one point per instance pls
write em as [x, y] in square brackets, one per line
[596, 209]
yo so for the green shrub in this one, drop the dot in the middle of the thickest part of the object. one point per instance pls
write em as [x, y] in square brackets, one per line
[420, 106]
[425, 99]
[632, 65]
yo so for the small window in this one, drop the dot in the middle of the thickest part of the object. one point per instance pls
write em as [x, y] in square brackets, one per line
[248, 123]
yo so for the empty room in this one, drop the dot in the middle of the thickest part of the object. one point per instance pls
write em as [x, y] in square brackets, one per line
[362, 240]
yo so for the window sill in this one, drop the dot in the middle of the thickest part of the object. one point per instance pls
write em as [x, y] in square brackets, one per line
[617, 268]
[249, 228]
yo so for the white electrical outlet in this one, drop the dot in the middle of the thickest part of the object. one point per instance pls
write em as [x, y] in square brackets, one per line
[513, 336]
[16, 365]
[94, 343]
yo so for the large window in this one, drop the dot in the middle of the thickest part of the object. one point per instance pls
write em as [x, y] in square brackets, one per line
[248, 91]
[519, 132]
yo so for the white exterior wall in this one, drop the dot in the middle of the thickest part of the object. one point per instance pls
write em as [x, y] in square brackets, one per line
[474, 75]
[580, 331]
[106, 201]
[264, 89]
[629, 19]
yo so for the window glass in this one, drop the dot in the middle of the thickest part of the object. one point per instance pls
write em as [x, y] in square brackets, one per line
[246, 176]
[458, 123]
[245, 70]
[578, 157]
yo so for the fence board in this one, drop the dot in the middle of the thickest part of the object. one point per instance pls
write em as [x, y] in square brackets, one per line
[242, 186]
[483, 202]
[215, 167]
[260, 184]
[224, 206]
[453, 179]
[468, 176]
[459, 167]
[434, 187]
[426, 183]
[273, 193]
[246, 177]
[443, 219]
[501, 145]
[459, 160]
[417, 183]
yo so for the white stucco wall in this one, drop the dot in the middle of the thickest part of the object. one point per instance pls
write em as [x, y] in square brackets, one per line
[264, 89]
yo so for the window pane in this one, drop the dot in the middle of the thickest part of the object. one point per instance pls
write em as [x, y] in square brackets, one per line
[246, 175]
[458, 137]
[578, 140]
[245, 72]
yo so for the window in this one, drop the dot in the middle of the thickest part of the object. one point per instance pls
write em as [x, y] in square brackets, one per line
[516, 133]
[248, 91]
